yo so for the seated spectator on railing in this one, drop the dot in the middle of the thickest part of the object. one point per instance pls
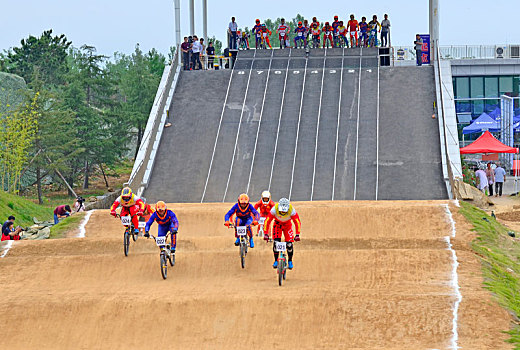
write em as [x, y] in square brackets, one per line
[210, 52]
[10, 232]
[385, 30]
[185, 48]
[61, 211]
[196, 50]
[232, 30]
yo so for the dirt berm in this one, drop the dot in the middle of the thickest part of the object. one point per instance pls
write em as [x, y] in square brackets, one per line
[368, 275]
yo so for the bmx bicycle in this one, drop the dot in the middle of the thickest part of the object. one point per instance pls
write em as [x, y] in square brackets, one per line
[281, 248]
[129, 231]
[166, 255]
[241, 232]
[260, 232]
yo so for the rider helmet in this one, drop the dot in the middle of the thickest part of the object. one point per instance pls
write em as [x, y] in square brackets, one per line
[160, 208]
[263, 25]
[335, 18]
[326, 23]
[243, 201]
[126, 193]
[341, 23]
[300, 23]
[257, 20]
[266, 197]
[283, 206]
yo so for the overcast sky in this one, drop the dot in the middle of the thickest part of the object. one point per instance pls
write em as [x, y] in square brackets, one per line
[117, 25]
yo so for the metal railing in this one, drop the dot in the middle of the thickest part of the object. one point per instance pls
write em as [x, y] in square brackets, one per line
[456, 52]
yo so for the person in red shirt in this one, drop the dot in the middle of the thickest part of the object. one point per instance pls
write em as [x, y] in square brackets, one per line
[131, 205]
[283, 34]
[264, 206]
[265, 36]
[327, 31]
[147, 212]
[352, 28]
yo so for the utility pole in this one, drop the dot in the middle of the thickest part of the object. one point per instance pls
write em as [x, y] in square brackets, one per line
[434, 28]
[205, 20]
[192, 17]
[178, 41]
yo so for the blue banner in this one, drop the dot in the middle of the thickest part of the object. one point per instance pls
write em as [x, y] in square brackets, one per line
[425, 48]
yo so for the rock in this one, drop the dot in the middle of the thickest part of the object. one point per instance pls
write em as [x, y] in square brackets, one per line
[511, 233]
[467, 192]
[43, 233]
[36, 221]
[509, 270]
[92, 199]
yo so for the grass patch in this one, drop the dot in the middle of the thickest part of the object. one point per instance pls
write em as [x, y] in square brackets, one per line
[499, 255]
[66, 225]
[22, 209]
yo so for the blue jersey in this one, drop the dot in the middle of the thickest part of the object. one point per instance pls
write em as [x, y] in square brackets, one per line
[168, 220]
[300, 31]
[250, 211]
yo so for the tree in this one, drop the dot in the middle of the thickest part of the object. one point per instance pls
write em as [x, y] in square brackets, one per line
[46, 55]
[217, 44]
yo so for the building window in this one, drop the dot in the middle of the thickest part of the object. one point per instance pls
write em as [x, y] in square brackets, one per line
[462, 87]
[491, 86]
[506, 85]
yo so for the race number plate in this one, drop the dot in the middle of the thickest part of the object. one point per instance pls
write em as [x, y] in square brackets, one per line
[142, 224]
[126, 220]
[280, 246]
[160, 241]
[261, 221]
[241, 230]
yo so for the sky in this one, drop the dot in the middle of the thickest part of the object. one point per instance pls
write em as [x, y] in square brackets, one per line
[118, 25]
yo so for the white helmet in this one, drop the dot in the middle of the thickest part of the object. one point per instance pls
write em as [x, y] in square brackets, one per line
[283, 205]
[266, 194]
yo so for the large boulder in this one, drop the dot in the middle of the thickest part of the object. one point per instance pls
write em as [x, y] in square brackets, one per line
[43, 233]
[466, 192]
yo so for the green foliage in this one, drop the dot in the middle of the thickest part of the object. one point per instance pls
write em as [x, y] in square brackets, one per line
[217, 44]
[12, 89]
[66, 225]
[24, 210]
[500, 265]
[44, 56]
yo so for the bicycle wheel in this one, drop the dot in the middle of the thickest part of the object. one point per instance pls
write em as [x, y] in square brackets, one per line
[134, 237]
[280, 271]
[242, 254]
[164, 265]
[126, 242]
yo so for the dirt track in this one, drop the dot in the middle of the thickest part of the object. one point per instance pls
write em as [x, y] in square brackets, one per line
[367, 276]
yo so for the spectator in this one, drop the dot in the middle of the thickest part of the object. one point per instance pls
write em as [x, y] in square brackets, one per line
[60, 212]
[210, 52]
[11, 233]
[196, 50]
[78, 204]
[490, 174]
[500, 178]
[418, 49]
[482, 182]
[9, 220]
[232, 30]
[385, 30]
[185, 48]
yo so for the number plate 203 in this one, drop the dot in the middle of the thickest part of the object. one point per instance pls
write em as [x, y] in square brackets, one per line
[280, 246]
[160, 241]
[241, 230]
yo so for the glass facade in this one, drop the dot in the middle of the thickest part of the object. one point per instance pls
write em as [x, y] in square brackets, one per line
[481, 94]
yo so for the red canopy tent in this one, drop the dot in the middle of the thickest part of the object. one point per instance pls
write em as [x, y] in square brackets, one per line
[487, 143]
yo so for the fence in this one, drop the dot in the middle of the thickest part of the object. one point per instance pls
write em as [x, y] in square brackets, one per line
[456, 52]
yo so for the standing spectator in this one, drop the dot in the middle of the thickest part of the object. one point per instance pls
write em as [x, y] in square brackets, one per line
[10, 219]
[232, 30]
[418, 49]
[196, 50]
[78, 204]
[61, 211]
[385, 31]
[500, 178]
[210, 52]
[490, 174]
[482, 182]
[185, 48]
[203, 49]
[11, 233]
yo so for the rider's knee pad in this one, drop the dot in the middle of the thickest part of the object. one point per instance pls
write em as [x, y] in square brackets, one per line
[289, 247]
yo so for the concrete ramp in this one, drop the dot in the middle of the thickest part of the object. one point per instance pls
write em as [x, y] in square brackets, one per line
[332, 125]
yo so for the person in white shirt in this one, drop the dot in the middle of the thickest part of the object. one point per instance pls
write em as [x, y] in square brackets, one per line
[196, 50]
[232, 30]
[385, 30]
[482, 180]
[500, 178]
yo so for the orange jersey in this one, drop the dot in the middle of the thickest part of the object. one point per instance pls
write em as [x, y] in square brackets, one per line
[264, 209]
[352, 25]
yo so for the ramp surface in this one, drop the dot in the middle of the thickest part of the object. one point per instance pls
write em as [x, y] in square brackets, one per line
[331, 125]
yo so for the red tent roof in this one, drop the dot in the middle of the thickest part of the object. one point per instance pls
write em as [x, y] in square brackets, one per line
[487, 143]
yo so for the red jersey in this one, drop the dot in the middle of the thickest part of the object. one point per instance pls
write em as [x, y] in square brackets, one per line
[283, 29]
[352, 25]
[327, 30]
[264, 209]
